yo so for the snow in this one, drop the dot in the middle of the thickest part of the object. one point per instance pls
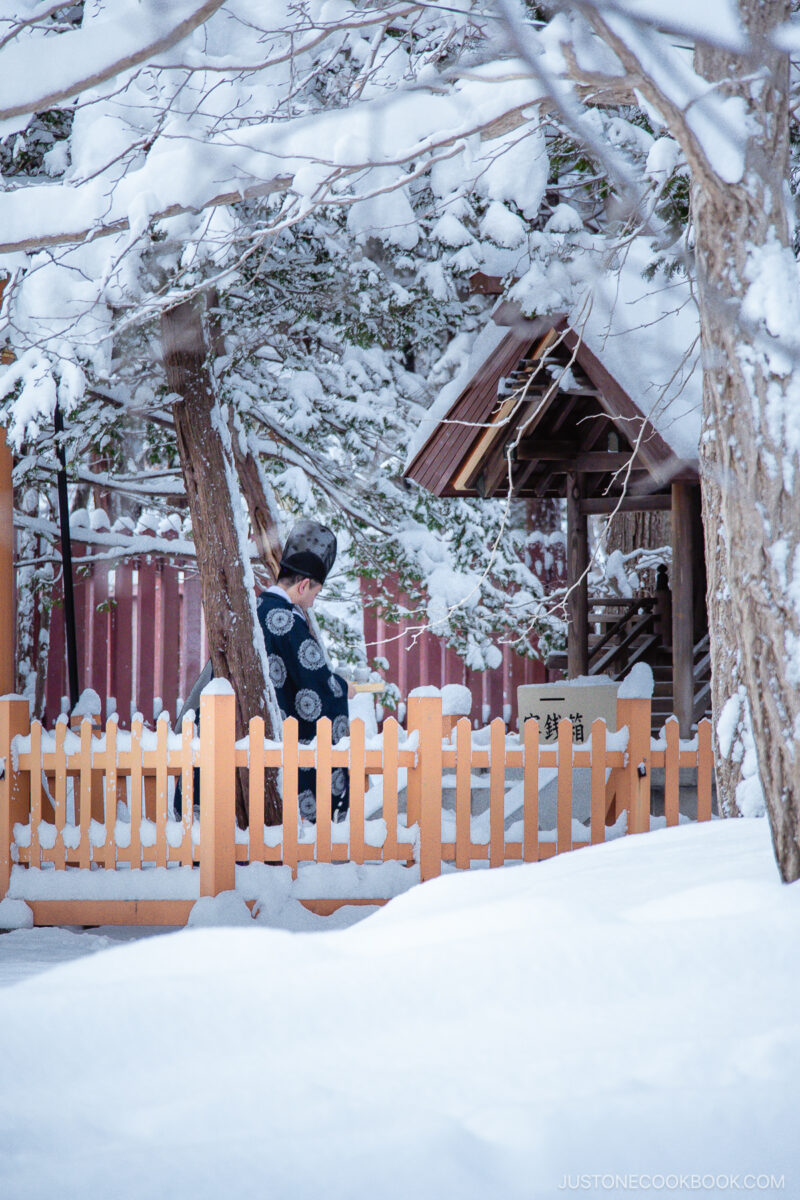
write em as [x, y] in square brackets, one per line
[474, 351]
[638, 684]
[186, 173]
[89, 704]
[646, 334]
[456, 700]
[150, 883]
[89, 52]
[255, 881]
[15, 914]
[217, 687]
[628, 1010]
[719, 124]
[715, 20]
[227, 909]
[736, 742]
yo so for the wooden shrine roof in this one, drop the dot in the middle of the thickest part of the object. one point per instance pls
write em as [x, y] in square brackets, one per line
[540, 405]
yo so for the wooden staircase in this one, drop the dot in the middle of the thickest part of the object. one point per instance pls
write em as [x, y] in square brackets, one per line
[623, 632]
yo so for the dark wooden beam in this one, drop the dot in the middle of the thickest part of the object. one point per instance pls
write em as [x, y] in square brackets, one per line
[592, 461]
[607, 504]
[566, 408]
[481, 284]
[545, 450]
[577, 580]
[495, 469]
[599, 428]
[682, 606]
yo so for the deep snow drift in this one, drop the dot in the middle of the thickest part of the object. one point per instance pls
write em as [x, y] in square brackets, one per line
[630, 1010]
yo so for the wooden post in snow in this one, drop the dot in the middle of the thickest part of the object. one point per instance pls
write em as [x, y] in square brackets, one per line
[14, 785]
[577, 579]
[425, 781]
[633, 791]
[217, 789]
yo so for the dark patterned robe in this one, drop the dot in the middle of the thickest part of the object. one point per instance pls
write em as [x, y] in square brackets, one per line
[306, 689]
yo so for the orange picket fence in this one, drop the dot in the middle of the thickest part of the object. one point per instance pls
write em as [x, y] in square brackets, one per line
[99, 801]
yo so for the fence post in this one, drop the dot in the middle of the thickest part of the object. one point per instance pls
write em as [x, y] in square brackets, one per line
[633, 792]
[217, 788]
[14, 785]
[425, 782]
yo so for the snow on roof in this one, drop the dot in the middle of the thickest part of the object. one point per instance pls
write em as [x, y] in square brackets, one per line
[646, 333]
[473, 352]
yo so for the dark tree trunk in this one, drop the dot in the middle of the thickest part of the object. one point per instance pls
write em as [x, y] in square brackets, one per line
[631, 531]
[212, 491]
[262, 519]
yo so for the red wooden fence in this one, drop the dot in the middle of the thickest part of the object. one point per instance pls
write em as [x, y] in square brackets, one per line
[417, 658]
[140, 633]
[142, 643]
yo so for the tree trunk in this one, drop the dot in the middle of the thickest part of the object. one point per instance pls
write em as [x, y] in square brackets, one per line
[236, 641]
[750, 473]
[263, 521]
[629, 531]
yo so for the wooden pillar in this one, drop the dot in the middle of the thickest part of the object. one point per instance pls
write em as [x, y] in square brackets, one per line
[577, 579]
[7, 623]
[425, 782]
[682, 606]
[14, 785]
[217, 789]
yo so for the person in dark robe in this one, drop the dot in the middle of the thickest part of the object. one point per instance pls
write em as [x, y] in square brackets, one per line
[305, 686]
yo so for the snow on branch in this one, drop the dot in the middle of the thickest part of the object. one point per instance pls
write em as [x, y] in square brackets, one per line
[186, 175]
[94, 53]
[114, 543]
[712, 127]
[715, 22]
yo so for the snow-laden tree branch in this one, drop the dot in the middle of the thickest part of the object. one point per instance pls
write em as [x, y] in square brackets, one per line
[101, 50]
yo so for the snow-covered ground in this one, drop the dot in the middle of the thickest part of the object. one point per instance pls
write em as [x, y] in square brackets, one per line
[623, 1018]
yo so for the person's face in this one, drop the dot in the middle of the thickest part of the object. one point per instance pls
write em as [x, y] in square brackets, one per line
[307, 592]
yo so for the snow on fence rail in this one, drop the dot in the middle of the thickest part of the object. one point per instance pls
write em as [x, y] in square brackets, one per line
[101, 801]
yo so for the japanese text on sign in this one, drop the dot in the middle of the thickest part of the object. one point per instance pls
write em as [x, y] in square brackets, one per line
[581, 704]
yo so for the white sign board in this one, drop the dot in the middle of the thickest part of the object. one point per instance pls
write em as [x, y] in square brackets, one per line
[582, 704]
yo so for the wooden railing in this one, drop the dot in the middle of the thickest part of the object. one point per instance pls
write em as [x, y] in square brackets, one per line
[629, 638]
[60, 794]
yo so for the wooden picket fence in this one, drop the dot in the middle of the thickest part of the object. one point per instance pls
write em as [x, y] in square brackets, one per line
[50, 777]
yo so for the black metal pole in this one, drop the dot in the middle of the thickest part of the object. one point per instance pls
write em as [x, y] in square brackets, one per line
[66, 563]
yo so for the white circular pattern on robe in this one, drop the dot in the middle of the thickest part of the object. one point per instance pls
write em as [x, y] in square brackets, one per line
[277, 670]
[310, 655]
[336, 685]
[307, 803]
[308, 704]
[279, 621]
[338, 781]
[340, 728]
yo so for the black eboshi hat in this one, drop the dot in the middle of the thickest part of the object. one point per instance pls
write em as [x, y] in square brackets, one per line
[310, 550]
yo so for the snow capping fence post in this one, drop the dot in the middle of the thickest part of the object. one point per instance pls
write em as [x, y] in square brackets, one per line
[424, 795]
[14, 785]
[634, 789]
[217, 788]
